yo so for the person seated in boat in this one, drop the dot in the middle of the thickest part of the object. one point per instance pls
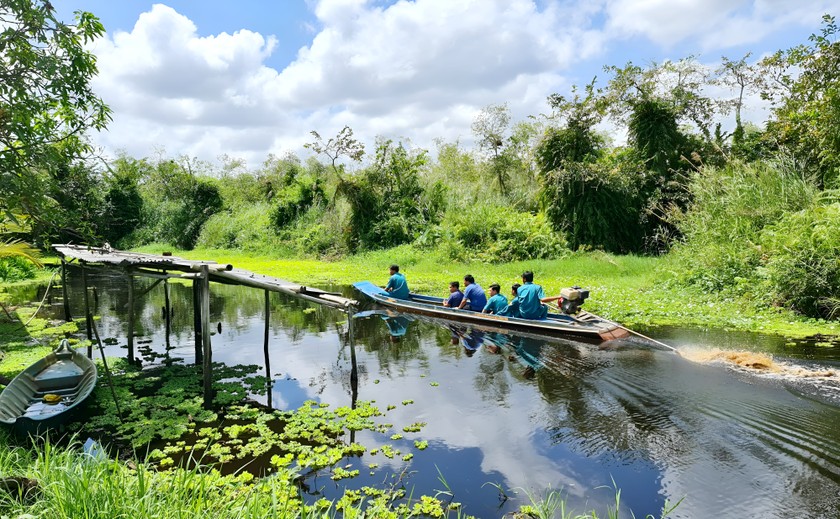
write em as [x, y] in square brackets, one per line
[529, 296]
[512, 309]
[497, 301]
[397, 285]
[474, 298]
[455, 296]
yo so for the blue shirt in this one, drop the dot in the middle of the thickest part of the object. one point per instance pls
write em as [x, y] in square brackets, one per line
[455, 298]
[475, 294]
[399, 285]
[530, 306]
[496, 304]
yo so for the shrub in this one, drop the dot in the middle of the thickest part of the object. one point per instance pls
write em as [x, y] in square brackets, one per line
[596, 205]
[495, 233]
[15, 268]
[804, 262]
[721, 229]
[247, 228]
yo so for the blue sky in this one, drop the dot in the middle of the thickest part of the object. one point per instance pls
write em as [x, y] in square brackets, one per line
[251, 78]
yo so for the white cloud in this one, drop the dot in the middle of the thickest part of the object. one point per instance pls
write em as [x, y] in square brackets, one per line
[715, 24]
[415, 69]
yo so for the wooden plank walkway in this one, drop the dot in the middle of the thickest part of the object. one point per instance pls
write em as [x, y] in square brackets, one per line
[160, 266]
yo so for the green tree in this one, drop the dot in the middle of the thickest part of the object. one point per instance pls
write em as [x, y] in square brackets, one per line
[45, 99]
[803, 85]
[342, 145]
[387, 200]
[490, 128]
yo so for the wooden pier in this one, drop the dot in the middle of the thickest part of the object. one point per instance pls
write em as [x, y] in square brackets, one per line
[162, 268]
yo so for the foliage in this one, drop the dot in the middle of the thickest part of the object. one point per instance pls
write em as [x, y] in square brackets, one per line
[596, 204]
[803, 84]
[176, 204]
[123, 204]
[495, 233]
[722, 228]
[343, 144]
[297, 195]
[489, 128]
[387, 202]
[15, 268]
[247, 228]
[46, 103]
[804, 263]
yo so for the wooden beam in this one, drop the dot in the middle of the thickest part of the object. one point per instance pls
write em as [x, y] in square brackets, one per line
[196, 293]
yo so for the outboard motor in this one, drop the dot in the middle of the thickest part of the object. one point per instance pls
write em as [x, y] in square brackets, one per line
[572, 298]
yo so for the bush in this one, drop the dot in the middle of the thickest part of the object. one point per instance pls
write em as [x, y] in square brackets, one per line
[804, 259]
[495, 233]
[247, 228]
[14, 268]
[596, 205]
[722, 227]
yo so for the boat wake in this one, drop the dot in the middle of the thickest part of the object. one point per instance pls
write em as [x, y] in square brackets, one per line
[755, 362]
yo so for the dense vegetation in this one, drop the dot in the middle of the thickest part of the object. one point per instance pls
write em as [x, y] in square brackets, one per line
[751, 211]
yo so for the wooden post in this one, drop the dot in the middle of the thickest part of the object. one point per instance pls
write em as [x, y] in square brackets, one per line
[88, 316]
[354, 369]
[265, 347]
[196, 292]
[64, 291]
[205, 336]
[167, 321]
[130, 318]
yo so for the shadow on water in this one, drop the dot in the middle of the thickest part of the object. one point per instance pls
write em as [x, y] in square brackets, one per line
[523, 413]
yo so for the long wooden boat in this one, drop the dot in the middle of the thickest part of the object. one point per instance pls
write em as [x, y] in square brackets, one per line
[43, 395]
[584, 325]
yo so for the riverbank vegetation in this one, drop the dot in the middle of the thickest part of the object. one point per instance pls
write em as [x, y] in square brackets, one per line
[746, 214]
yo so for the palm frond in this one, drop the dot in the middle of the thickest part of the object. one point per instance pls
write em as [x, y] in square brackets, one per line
[19, 249]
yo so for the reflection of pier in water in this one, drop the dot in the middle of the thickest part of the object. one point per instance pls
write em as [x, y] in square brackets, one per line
[162, 268]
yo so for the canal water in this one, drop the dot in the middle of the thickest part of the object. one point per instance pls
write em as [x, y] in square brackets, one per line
[525, 415]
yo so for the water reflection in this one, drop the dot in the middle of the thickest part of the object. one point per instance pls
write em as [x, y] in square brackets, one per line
[519, 411]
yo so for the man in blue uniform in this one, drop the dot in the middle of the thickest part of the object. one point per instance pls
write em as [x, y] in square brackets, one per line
[497, 302]
[529, 296]
[397, 285]
[474, 298]
[455, 295]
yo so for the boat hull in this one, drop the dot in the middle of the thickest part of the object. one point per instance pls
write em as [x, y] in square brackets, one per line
[45, 395]
[587, 326]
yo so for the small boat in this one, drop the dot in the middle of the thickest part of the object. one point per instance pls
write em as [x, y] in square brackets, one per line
[43, 395]
[582, 325]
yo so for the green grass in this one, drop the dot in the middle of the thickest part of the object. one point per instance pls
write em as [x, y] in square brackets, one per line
[630, 289]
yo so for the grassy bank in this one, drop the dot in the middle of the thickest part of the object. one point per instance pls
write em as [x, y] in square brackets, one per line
[630, 289]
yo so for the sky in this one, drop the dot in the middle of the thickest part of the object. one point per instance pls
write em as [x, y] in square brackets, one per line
[216, 78]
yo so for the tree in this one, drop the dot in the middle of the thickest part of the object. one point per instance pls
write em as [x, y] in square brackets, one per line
[343, 144]
[803, 85]
[741, 77]
[45, 99]
[489, 128]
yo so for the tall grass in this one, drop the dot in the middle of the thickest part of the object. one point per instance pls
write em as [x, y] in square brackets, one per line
[731, 206]
[64, 483]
